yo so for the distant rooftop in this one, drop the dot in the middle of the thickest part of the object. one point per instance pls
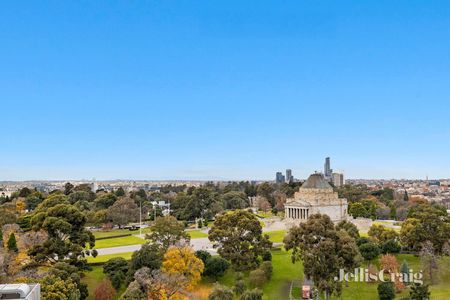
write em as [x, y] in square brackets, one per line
[316, 181]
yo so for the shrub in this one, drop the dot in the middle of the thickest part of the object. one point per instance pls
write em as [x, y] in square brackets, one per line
[267, 256]
[419, 292]
[12, 243]
[386, 291]
[221, 292]
[216, 266]
[239, 287]
[255, 294]
[267, 268]
[200, 223]
[115, 269]
[104, 291]
[203, 255]
[257, 278]
[390, 246]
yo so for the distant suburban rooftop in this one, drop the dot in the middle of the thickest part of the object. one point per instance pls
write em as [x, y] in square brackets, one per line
[316, 181]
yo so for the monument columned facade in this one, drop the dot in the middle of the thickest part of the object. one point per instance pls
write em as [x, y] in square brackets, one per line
[316, 195]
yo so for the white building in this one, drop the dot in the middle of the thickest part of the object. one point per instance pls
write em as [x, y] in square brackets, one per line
[20, 291]
[316, 195]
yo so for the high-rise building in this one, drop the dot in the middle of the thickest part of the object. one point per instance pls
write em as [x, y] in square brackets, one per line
[327, 169]
[338, 179]
[289, 177]
[279, 177]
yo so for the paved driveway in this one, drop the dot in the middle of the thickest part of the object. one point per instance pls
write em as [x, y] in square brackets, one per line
[197, 244]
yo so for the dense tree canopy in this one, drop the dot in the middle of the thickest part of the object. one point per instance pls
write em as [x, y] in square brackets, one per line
[323, 250]
[239, 239]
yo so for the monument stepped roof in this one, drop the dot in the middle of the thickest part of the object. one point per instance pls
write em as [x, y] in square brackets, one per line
[316, 181]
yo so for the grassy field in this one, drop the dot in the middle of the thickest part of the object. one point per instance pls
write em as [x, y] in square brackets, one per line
[195, 234]
[120, 241]
[276, 236]
[105, 258]
[111, 233]
[94, 277]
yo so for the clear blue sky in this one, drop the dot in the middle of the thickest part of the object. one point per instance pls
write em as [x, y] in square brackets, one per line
[223, 89]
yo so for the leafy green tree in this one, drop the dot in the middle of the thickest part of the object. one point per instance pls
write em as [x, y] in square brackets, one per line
[257, 278]
[419, 292]
[239, 238]
[369, 251]
[382, 234]
[120, 192]
[123, 211]
[68, 187]
[235, 200]
[53, 287]
[255, 294]
[149, 256]
[67, 233]
[351, 228]
[267, 268]
[105, 201]
[203, 255]
[202, 203]
[216, 267]
[80, 196]
[425, 223]
[33, 200]
[25, 192]
[390, 246]
[353, 193]
[323, 251]
[166, 232]
[221, 292]
[8, 216]
[12, 243]
[69, 273]
[116, 269]
[265, 190]
[386, 291]
[357, 210]
[404, 269]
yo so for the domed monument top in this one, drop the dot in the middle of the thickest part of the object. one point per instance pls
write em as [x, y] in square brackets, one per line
[316, 181]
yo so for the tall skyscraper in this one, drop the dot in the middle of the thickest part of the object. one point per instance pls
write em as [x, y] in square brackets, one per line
[289, 177]
[279, 177]
[327, 168]
[338, 179]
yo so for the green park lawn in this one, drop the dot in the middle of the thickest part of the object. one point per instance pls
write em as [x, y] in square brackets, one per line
[116, 232]
[196, 234]
[105, 258]
[276, 236]
[120, 241]
[93, 279]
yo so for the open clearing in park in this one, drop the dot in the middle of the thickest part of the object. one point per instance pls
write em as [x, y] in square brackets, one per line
[284, 272]
[114, 238]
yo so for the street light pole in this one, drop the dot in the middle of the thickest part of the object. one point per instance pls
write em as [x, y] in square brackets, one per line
[140, 218]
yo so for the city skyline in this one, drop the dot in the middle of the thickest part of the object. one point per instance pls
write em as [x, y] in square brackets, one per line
[224, 91]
